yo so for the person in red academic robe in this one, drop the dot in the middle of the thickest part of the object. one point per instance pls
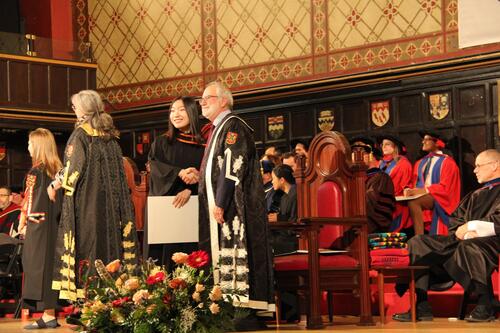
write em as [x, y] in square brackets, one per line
[399, 168]
[436, 187]
[9, 211]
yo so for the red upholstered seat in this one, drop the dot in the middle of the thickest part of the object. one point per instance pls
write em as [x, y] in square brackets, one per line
[299, 262]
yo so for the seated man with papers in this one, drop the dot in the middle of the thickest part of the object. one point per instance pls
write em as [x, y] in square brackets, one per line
[469, 254]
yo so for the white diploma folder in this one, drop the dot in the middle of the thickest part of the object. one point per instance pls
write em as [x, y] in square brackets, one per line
[167, 224]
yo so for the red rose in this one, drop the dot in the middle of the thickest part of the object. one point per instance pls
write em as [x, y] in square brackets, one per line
[197, 259]
[177, 284]
[153, 279]
[167, 298]
[119, 302]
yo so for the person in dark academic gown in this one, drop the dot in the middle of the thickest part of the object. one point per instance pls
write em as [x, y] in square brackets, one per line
[436, 182]
[9, 211]
[233, 221]
[272, 196]
[399, 168]
[174, 163]
[97, 220]
[283, 180]
[39, 222]
[380, 204]
[469, 254]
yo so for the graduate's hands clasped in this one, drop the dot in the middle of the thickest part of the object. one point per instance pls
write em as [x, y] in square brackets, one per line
[189, 175]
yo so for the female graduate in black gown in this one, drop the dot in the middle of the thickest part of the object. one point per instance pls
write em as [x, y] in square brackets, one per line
[39, 222]
[174, 163]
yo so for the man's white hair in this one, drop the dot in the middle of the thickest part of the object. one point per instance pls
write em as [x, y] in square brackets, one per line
[223, 91]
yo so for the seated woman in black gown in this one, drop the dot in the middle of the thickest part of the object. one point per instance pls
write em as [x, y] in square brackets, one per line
[174, 163]
[284, 241]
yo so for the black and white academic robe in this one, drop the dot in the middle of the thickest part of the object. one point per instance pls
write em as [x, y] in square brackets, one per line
[97, 220]
[239, 249]
[469, 262]
[42, 220]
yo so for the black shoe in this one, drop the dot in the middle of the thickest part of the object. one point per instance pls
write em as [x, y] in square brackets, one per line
[481, 314]
[41, 324]
[424, 313]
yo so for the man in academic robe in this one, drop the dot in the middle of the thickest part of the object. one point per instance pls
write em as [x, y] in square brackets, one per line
[233, 221]
[9, 212]
[469, 254]
[436, 185]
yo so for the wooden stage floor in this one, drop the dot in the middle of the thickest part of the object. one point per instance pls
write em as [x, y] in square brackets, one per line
[342, 324]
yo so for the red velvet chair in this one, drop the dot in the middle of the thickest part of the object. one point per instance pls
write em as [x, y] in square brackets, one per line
[331, 198]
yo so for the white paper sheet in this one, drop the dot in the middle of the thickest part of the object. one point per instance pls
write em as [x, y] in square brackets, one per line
[167, 224]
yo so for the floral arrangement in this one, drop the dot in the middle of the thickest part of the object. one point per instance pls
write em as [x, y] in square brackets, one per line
[155, 301]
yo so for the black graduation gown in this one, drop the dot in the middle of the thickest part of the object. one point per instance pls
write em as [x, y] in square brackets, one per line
[469, 262]
[285, 241]
[97, 220]
[42, 218]
[272, 198]
[231, 180]
[166, 160]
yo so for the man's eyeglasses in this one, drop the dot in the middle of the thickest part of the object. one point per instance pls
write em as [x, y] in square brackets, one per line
[206, 98]
[4, 195]
[481, 165]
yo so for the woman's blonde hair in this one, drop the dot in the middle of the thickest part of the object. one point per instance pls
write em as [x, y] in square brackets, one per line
[44, 151]
[92, 106]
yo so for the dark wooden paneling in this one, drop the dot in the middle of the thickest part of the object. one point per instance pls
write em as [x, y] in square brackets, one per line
[18, 82]
[77, 80]
[302, 123]
[258, 126]
[494, 98]
[59, 87]
[472, 102]
[355, 116]
[39, 87]
[3, 82]
[409, 110]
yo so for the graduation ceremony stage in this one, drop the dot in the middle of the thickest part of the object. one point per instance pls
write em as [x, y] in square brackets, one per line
[342, 324]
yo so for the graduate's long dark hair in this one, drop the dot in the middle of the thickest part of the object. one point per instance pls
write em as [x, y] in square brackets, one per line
[193, 113]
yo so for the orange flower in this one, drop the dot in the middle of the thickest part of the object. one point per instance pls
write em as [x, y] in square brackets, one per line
[214, 308]
[215, 294]
[180, 257]
[113, 266]
[131, 284]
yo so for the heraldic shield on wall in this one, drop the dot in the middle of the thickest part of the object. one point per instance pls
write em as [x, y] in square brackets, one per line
[275, 127]
[380, 112]
[439, 105]
[326, 120]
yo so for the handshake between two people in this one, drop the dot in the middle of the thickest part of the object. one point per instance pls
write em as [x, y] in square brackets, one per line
[189, 175]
